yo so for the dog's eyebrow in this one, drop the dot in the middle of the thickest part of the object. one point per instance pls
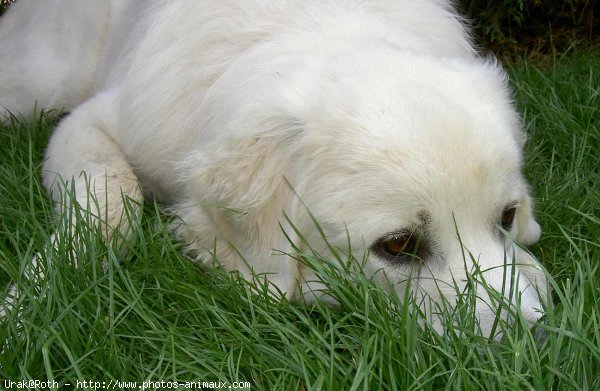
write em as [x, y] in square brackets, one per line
[424, 217]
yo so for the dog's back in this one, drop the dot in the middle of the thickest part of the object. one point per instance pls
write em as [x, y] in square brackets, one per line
[56, 54]
[50, 52]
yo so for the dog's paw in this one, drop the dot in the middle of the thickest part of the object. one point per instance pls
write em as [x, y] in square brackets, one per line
[33, 276]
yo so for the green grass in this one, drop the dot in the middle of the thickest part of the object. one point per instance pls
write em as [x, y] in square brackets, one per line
[152, 315]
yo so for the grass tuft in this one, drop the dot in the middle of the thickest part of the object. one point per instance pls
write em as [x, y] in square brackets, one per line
[149, 314]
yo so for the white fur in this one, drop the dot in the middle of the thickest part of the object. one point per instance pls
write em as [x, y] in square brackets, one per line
[378, 113]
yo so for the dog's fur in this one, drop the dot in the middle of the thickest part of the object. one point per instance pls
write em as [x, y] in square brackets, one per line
[379, 114]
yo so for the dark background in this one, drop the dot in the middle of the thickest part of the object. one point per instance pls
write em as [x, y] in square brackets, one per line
[517, 28]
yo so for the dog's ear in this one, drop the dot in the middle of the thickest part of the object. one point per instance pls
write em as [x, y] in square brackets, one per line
[528, 229]
[238, 191]
[248, 173]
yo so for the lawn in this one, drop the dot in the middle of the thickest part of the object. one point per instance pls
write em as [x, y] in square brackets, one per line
[152, 315]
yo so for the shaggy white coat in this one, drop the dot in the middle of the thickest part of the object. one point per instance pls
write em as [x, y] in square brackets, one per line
[378, 113]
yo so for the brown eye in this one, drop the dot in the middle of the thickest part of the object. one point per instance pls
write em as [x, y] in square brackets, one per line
[398, 245]
[507, 218]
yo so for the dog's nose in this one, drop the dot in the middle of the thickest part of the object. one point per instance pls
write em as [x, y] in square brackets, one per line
[530, 301]
[518, 293]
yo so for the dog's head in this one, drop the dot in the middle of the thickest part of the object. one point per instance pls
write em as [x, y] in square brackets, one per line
[421, 165]
[417, 160]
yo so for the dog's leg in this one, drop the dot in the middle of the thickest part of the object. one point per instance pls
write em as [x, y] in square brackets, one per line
[83, 158]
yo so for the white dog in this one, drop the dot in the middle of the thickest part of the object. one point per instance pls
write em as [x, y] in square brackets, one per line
[377, 116]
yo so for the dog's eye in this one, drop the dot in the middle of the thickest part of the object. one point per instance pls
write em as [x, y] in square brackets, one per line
[399, 245]
[507, 218]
